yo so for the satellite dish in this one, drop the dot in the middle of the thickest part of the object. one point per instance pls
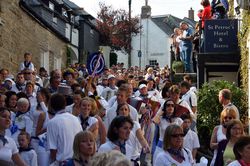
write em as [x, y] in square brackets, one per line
[244, 4]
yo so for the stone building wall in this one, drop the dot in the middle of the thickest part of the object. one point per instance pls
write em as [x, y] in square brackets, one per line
[20, 33]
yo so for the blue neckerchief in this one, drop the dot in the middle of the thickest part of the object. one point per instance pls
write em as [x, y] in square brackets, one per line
[24, 149]
[3, 139]
[19, 113]
[168, 118]
[176, 152]
[122, 147]
[26, 64]
[13, 128]
[84, 122]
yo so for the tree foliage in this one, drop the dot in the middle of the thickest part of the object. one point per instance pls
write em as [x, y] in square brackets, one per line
[209, 108]
[116, 28]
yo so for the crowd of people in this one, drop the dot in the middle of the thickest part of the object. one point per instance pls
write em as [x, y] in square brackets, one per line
[121, 117]
[187, 41]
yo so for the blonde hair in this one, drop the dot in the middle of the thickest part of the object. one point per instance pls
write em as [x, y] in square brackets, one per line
[150, 70]
[230, 111]
[77, 141]
[111, 158]
[167, 135]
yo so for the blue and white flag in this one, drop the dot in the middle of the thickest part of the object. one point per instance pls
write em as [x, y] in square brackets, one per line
[95, 63]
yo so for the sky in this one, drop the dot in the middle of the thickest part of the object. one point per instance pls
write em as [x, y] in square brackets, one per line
[178, 8]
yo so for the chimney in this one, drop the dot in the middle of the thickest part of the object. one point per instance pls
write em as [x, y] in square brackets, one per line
[191, 14]
[145, 11]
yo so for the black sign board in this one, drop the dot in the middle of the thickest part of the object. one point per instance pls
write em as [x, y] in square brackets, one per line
[221, 35]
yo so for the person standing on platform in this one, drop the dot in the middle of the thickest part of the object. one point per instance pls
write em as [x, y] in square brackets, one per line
[187, 46]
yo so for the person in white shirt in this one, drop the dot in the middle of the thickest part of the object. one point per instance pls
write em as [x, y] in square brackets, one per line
[111, 90]
[118, 133]
[167, 118]
[136, 140]
[20, 84]
[122, 97]
[27, 153]
[21, 120]
[75, 108]
[225, 97]
[173, 152]
[87, 122]
[191, 140]
[27, 64]
[61, 130]
[8, 148]
[189, 96]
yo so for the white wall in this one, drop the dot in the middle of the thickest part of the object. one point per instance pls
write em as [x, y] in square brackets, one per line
[67, 31]
[155, 45]
[122, 58]
[75, 36]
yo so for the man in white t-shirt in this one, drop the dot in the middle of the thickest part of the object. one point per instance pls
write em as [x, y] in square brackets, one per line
[61, 130]
[122, 97]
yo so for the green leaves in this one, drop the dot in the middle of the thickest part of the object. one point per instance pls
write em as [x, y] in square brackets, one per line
[209, 108]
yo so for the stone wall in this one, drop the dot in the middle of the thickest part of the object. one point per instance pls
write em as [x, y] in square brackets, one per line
[20, 33]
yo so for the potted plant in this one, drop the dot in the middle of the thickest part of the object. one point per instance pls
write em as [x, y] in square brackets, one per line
[178, 66]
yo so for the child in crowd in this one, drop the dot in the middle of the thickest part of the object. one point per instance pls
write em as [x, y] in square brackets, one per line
[27, 64]
[191, 140]
[27, 153]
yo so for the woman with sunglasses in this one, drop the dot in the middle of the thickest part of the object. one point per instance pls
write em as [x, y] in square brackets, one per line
[173, 152]
[136, 140]
[219, 132]
[166, 119]
[225, 153]
[8, 148]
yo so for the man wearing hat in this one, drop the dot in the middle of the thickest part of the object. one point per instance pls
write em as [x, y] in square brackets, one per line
[102, 85]
[111, 90]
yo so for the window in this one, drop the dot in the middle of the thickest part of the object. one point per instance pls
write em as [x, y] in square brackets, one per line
[72, 19]
[64, 13]
[51, 6]
[152, 62]
[54, 20]
[45, 59]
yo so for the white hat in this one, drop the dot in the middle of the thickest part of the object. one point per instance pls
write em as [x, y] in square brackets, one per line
[111, 76]
[9, 79]
[142, 86]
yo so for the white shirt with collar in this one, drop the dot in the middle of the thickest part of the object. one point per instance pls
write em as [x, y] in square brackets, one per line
[191, 140]
[191, 98]
[8, 150]
[111, 114]
[61, 131]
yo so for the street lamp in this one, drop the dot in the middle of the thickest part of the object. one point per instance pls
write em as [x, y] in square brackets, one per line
[129, 38]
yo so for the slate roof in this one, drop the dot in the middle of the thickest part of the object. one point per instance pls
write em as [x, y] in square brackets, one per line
[168, 22]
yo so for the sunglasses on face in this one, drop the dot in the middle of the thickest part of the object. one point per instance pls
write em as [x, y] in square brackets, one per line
[168, 105]
[177, 135]
[228, 117]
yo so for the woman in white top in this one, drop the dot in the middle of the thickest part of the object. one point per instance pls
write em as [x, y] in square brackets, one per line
[8, 148]
[118, 133]
[21, 121]
[136, 139]
[87, 122]
[43, 152]
[166, 119]
[219, 132]
[174, 153]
